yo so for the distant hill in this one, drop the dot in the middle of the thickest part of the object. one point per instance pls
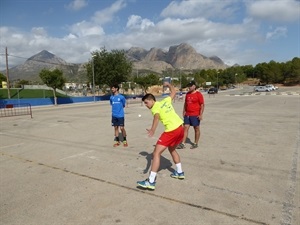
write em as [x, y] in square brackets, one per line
[183, 57]
[31, 68]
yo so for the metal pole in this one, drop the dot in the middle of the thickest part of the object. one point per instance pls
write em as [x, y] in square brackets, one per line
[235, 78]
[180, 77]
[93, 78]
[7, 75]
[218, 80]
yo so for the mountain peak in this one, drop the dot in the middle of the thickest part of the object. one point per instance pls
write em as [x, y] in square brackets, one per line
[216, 59]
[45, 56]
[42, 55]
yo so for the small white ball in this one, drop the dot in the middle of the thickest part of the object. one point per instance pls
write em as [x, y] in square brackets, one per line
[140, 115]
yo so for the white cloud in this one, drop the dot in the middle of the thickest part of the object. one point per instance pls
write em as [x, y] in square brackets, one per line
[275, 10]
[136, 22]
[107, 15]
[39, 32]
[200, 8]
[77, 5]
[201, 29]
[85, 28]
[277, 33]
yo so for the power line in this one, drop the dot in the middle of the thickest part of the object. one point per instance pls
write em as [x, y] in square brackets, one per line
[42, 61]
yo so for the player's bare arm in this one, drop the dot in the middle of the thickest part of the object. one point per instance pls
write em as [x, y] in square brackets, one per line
[201, 112]
[172, 89]
[154, 125]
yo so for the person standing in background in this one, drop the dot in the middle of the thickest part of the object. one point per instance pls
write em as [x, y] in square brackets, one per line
[193, 109]
[118, 103]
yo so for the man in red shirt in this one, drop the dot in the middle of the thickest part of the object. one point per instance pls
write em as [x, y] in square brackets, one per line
[193, 109]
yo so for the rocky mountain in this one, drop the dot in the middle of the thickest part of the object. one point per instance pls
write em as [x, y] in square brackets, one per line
[179, 57]
[31, 68]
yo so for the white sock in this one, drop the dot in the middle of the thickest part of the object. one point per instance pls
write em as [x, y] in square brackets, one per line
[152, 176]
[178, 168]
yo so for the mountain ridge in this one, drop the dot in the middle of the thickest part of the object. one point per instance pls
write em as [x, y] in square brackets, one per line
[182, 57]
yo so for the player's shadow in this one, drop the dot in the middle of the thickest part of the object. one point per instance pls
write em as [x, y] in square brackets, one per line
[188, 140]
[164, 163]
[121, 136]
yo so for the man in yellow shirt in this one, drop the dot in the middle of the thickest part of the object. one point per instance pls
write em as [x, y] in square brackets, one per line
[163, 111]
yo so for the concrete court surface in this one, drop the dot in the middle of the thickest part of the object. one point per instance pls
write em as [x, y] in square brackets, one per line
[60, 167]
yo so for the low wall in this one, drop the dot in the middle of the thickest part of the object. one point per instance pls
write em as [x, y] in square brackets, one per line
[50, 101]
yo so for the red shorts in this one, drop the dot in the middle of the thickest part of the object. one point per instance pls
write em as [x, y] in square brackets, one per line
[171, 138]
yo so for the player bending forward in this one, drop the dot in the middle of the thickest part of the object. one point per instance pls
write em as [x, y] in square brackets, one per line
[163, 111]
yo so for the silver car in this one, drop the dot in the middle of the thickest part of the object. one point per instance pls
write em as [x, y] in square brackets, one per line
[272, 87]
[262, 88]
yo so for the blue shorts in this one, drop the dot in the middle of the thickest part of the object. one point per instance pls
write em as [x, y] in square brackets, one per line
[115, 121]
[191, 120]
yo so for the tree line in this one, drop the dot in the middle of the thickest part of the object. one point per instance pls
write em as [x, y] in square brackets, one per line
[106, 68]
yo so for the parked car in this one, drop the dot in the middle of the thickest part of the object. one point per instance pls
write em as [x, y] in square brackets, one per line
[262, 88]
[272, 87]
[212, 90]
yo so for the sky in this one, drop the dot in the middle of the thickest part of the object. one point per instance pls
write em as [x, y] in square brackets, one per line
[244, 32]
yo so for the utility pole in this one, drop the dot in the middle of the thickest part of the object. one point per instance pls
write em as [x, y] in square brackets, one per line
[93, 73]
[7, 74]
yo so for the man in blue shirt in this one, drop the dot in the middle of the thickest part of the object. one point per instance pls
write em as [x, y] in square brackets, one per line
[118, 103]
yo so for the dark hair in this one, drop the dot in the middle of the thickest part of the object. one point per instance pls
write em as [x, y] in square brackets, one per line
[191, 83]
[149, 97]
[115, 86]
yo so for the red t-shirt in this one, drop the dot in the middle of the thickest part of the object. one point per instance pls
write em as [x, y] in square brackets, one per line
[193, 102]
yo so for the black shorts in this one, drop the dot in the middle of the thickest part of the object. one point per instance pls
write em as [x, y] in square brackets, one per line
[191, 120]
[115, 121]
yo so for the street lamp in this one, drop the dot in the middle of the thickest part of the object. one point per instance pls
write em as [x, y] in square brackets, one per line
[93, 72]
[235, 78]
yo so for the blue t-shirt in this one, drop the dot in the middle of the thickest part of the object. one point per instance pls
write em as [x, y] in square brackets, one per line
[118, 102]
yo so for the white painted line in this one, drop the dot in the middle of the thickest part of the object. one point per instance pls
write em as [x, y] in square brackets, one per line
[8, 146]
[77, 155]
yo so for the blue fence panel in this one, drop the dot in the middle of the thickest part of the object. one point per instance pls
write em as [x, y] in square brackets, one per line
[31, 101]
[50, 101]
[67, 100]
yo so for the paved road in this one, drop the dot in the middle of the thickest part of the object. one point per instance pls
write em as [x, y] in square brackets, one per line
[60, 167]
[249, 90]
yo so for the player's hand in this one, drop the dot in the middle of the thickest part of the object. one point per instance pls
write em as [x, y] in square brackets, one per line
[150, 132]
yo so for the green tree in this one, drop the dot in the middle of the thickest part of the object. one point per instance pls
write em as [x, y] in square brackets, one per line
[53, 79]
[295, 70]
[262, 72]
[147, 81]
[200, 78]
[275, 72]
[248, 70]
[109, 67]
[20, 83]
[184, 81]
